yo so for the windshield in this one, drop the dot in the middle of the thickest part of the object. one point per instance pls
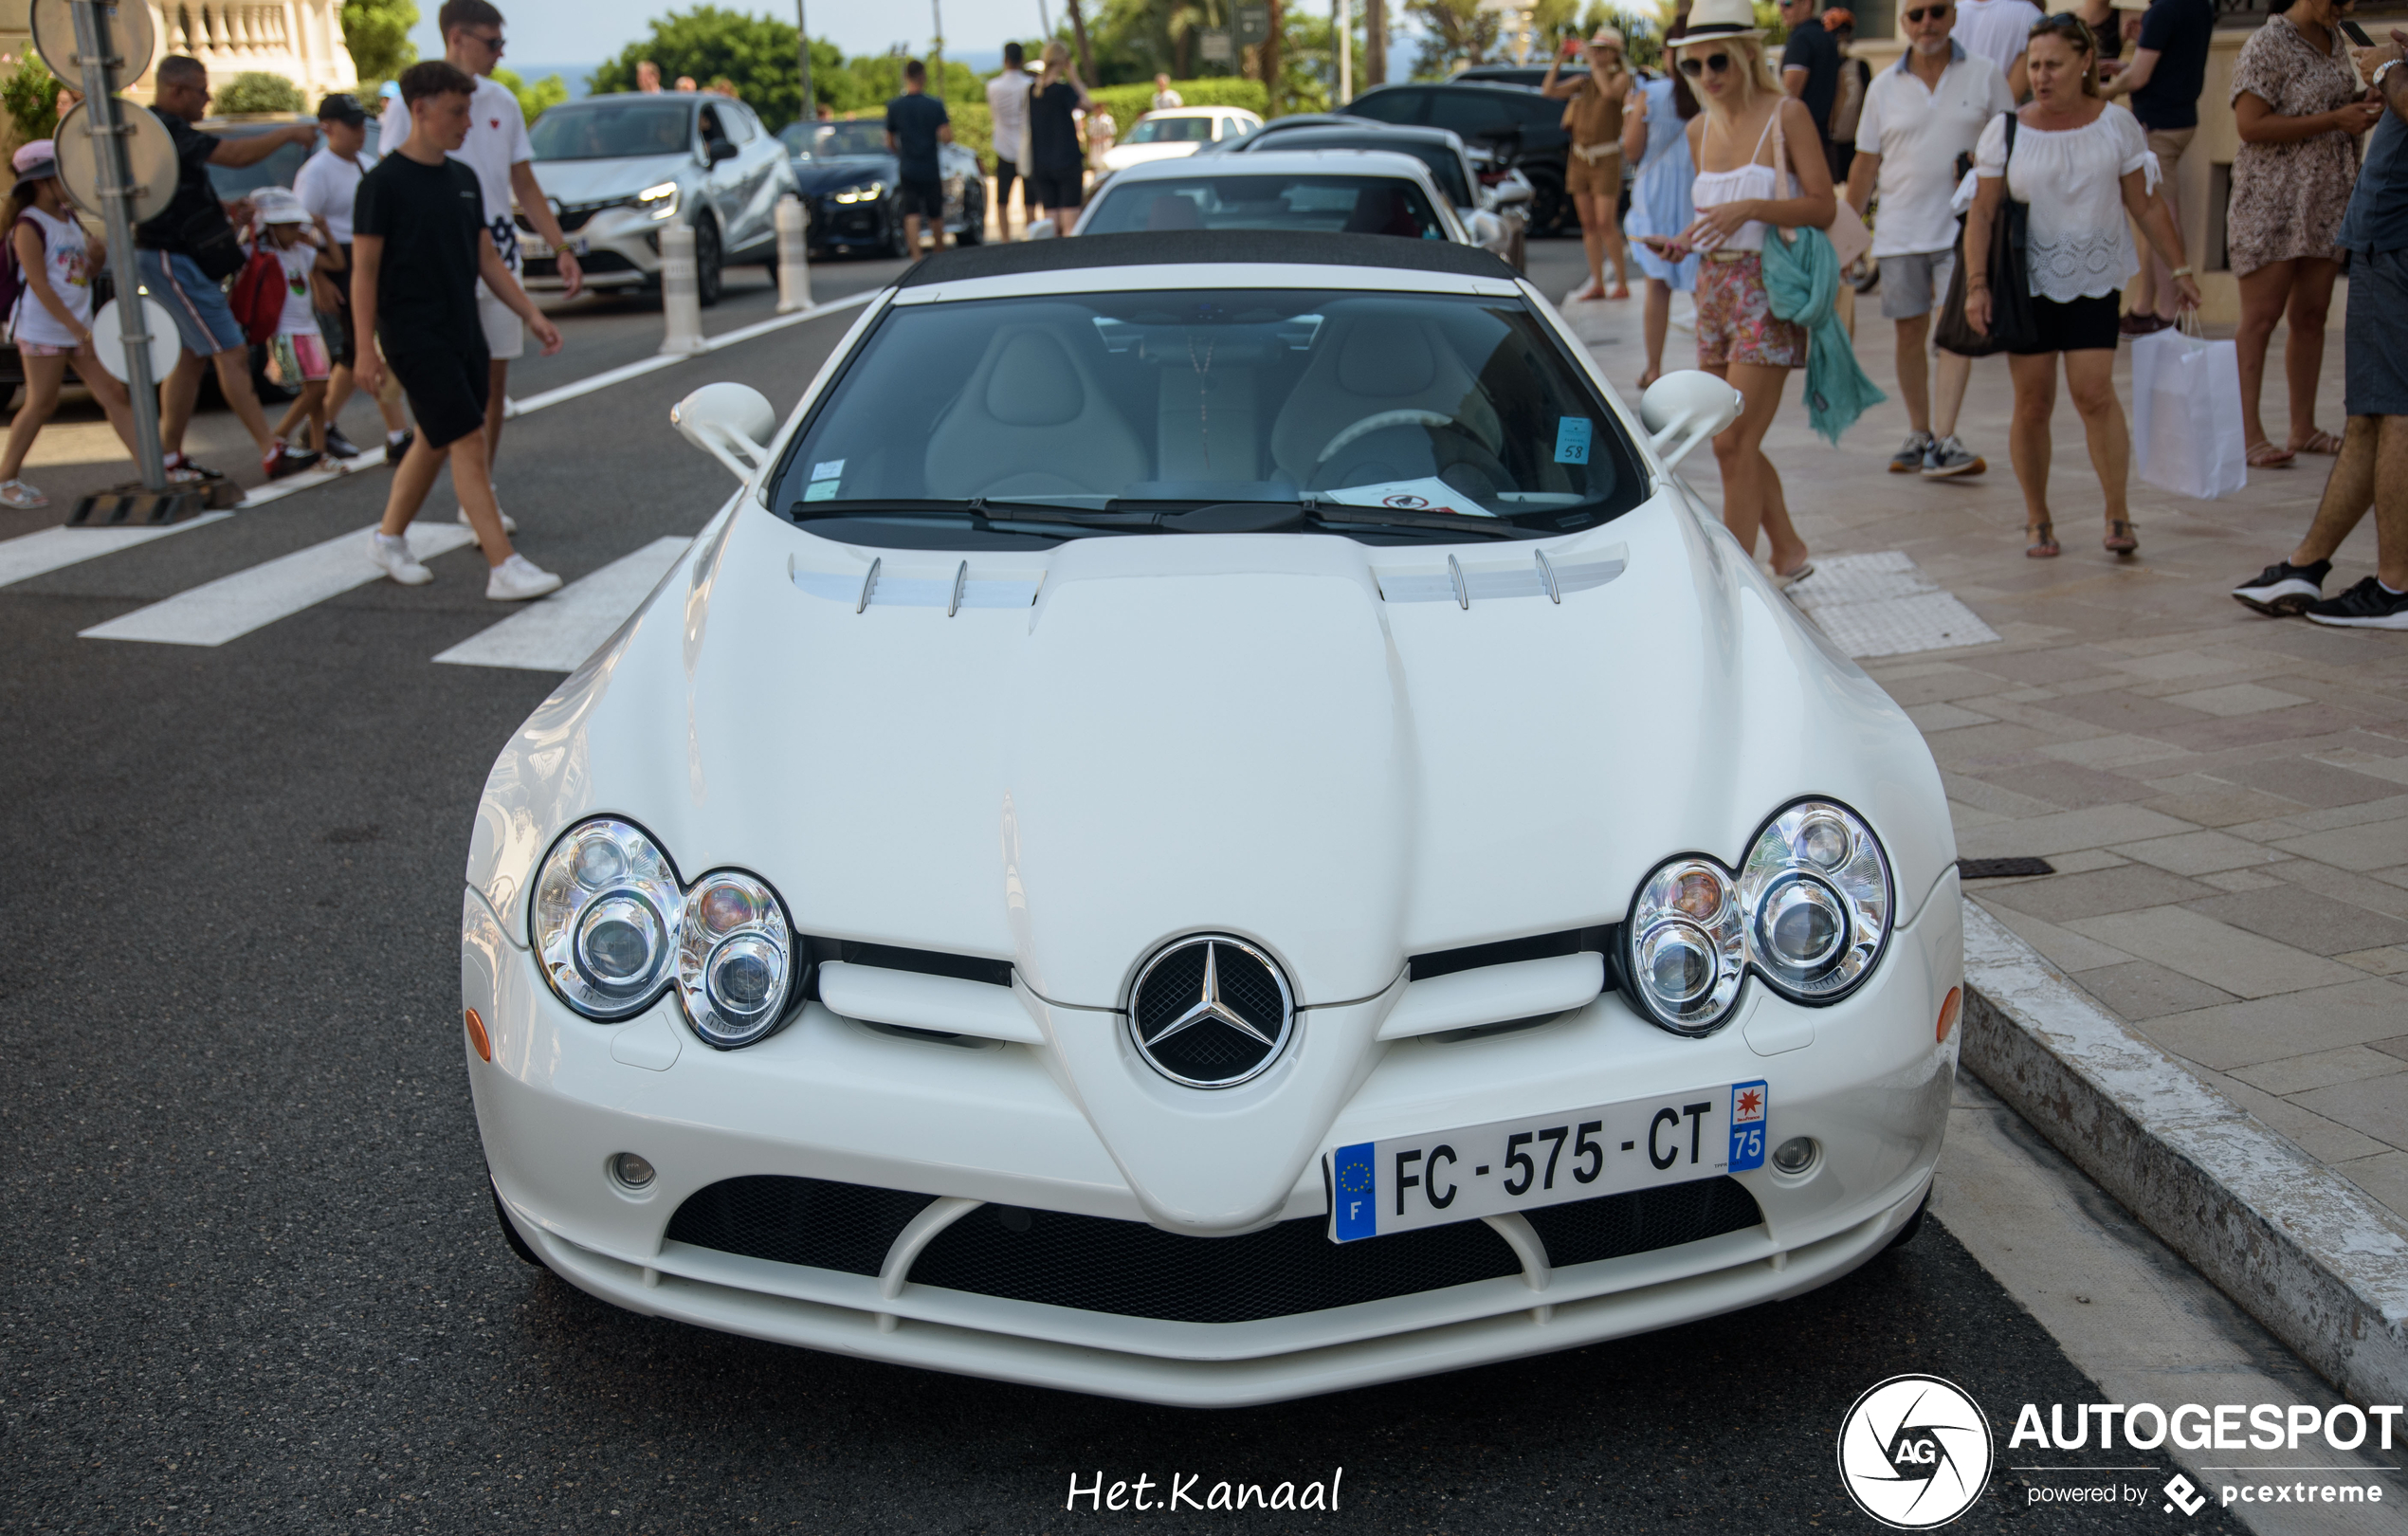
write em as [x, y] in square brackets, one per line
[833, 140]
[1446, 166]
[1171, 131]
[1352, 205]
[614, 128]
[1387, 416]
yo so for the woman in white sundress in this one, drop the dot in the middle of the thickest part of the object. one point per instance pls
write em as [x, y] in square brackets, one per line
[1655, 139]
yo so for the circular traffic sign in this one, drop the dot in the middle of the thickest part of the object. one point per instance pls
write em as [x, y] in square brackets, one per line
[149, 151]
[110, 344]
[131, 38]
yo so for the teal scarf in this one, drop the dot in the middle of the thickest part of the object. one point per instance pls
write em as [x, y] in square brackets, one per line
[1801, 275]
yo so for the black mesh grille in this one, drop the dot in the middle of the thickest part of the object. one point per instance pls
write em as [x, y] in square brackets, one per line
[1643, 1220]
[1170, 988]
[813, 1221]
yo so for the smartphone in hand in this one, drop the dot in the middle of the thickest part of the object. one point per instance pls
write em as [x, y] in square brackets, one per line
[2355, 33]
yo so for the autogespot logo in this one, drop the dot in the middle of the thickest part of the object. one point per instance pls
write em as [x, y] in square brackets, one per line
[1915, 1451]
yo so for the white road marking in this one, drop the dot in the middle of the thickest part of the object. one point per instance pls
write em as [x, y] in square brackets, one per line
[558, 632]
[54, 549]
[276, 490]
[233, 606]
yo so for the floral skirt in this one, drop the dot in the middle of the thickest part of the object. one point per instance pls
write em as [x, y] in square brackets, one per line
[1734, 322]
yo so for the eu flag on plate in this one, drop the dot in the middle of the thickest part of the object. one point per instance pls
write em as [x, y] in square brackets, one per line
[1354, 1194]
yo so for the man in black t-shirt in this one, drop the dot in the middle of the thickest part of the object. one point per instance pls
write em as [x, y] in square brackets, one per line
[2167, 72]
[1810, 62]
[916, 123]
[419, 244]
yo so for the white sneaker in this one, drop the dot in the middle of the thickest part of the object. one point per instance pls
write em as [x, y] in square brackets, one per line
[519, 579]
[509, 523]
[392, 556]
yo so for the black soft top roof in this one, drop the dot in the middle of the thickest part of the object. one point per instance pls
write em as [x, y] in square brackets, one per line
[1171, 247]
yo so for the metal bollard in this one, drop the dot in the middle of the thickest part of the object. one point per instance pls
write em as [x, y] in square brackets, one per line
[793, 271]
[680, 295]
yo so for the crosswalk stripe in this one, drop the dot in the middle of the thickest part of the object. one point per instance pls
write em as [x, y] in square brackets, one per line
[54, 549]
[558, 632]
[233, 606]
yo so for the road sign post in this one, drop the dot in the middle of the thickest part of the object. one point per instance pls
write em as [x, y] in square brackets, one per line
[104, 114]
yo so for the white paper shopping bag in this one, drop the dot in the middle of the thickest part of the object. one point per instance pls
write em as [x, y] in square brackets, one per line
[2186, 415]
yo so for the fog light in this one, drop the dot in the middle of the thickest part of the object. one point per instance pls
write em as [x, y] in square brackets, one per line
[1796, 1155]
[630, 1170]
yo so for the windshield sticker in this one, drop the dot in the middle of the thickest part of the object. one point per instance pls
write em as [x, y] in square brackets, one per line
[821, 490]
[1425, 495]
[830, 471]
[1572, 439]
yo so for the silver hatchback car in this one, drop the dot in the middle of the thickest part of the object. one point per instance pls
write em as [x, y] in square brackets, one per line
[619, 168]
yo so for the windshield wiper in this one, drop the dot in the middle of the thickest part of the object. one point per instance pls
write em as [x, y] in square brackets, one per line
[1330, 514]
[976, 510]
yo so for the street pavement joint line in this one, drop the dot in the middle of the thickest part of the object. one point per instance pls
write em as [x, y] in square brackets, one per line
[54, 549]
[652, 365]
[1883, 605]
[230, 606]
[558, 632]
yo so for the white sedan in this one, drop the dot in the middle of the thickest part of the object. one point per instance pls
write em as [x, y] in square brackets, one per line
[1173, 132]
[1212, 823]
[1356, 191]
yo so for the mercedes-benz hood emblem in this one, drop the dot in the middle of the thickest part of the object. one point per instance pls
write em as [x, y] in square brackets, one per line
[1210, 1012]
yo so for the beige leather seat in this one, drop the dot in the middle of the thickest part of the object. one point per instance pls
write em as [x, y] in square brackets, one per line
[1378, 358]
[1033, 420]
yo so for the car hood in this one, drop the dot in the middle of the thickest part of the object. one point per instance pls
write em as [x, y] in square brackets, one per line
[1121, 157]
[1230, 733]
[835, 175]
[578, 182]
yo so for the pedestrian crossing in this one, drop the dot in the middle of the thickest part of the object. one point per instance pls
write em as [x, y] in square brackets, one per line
[231, 607]
[560, 631]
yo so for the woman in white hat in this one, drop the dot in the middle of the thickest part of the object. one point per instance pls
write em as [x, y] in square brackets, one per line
[51, 321]
[1593, 168]
[1759, 165]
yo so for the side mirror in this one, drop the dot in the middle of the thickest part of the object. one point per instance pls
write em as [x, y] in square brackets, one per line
[1042, 229]
[731, 423]
[719, 150]
[1512, 191]
[1684, 409]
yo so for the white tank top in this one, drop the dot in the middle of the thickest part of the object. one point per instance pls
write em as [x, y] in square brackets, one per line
[1713, 188]
[62, 260]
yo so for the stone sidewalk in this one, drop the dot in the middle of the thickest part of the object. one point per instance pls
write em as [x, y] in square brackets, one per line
[2224, 797]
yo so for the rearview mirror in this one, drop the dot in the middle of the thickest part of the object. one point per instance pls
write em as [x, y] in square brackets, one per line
[731, 423]
[1684, 409]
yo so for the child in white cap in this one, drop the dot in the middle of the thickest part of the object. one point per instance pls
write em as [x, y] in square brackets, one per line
[52, 261]
[297, 357]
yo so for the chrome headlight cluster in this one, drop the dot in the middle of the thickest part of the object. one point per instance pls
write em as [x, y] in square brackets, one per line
[869, 193]
[1809, 912]
[660, 201]
[613, 928]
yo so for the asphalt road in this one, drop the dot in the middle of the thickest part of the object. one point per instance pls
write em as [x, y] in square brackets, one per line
[250, 1279]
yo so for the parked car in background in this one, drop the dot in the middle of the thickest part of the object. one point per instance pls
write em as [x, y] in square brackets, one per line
[1176, 131]
[1493, 214]
[1529, 75]
[1336, 191]
[1520, 125]
[851, 189]
[619, 168]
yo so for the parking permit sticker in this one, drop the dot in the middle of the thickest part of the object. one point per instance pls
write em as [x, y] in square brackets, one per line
[1749, 1103]
[1572, 435]
[830, 470]
[1355, 1197]
[821, 490]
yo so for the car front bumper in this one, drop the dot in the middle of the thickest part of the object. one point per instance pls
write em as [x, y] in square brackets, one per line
[616, 248]
[829, 1098]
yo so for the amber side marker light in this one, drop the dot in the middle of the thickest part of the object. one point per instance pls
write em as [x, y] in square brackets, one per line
[485, 1045]
[1947, 1014]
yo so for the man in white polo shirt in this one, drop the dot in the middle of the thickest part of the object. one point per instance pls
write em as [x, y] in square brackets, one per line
[497, 150]
[1998, 30]
[1920, 115]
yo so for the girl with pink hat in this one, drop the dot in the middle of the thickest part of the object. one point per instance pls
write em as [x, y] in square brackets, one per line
[52, 321]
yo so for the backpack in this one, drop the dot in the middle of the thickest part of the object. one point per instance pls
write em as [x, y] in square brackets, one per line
[258, 296]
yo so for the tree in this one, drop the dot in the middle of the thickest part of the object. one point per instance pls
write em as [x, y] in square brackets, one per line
[377, 33]
[548, 92]
[31, 98]
[1453, 33]
[256, 90]
[758, 53]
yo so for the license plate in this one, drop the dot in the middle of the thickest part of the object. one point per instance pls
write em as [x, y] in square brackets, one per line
[538, 248]
[1412, 1181]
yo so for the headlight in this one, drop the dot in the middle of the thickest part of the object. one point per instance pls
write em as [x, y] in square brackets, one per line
[1809, 912]
[605, 906]
[1817, 891]
[735, 959]
[613, 931]
[1687, 953]
[864, 194]
[661, 201]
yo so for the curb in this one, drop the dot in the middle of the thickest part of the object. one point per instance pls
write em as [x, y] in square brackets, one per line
[2297, 1246]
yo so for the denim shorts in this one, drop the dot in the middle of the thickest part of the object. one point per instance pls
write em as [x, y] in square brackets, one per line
[203, 318]
[2374, 335]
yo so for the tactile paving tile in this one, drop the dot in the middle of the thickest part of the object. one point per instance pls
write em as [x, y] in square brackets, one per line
[1882, 604]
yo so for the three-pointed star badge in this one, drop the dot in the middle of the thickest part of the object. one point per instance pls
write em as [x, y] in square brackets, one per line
[1210, 1006]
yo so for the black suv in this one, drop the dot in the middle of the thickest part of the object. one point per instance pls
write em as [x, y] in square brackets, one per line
[1521, 126]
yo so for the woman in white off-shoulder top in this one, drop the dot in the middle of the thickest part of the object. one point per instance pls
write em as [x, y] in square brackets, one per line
[2081, 165]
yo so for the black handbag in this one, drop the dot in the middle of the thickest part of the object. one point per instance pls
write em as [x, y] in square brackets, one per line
[2013, 323]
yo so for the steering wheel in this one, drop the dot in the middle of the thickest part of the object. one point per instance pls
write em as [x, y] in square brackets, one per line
[1381, 421]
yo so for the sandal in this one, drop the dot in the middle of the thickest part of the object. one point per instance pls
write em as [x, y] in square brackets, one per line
[2041, 542]
[2263, 454]
[2318, 442]
[1786, 580]
[1648, 377]
[1589, 293]
[1621, 290]
[2120, 538]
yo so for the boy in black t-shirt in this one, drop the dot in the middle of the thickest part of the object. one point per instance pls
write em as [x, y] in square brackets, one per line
[419, 244]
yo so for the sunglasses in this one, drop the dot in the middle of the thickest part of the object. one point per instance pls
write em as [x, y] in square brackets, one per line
[1935, 12]
[1711, 64]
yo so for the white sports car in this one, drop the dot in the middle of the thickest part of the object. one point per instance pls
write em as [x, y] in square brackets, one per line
[1213, 824]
